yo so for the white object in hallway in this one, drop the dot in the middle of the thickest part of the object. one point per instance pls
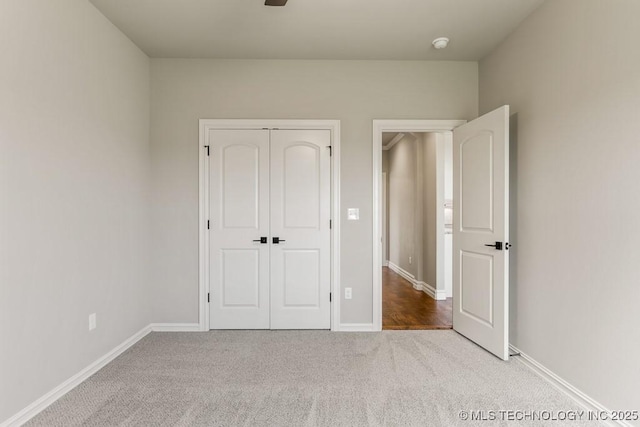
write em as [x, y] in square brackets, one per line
[353, 214]
[383, 220]
[92, 321]
[300, 214]
[448, 263]
[481, 218]
[448, 217]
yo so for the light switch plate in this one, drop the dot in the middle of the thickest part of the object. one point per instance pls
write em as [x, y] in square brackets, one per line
[353, 214]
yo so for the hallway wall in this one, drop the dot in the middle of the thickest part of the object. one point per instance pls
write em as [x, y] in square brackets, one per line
[403, 183]
[429, 169]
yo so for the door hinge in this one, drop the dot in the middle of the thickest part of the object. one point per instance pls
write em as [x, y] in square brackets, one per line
[330, 150]
[208, 297]
[208, 224]
[207, 147]
[330, 224]
[329, 296]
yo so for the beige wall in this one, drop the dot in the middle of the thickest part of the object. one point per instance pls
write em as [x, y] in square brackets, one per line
[355, 92]
[74, 184]
[429, 160]
[571, 73]
[403, 182]
[385, 170]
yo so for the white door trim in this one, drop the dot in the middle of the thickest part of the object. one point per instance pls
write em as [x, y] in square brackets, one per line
[380, 126]
[203, 236]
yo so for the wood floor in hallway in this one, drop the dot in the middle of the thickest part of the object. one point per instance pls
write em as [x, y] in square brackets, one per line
[404, 307]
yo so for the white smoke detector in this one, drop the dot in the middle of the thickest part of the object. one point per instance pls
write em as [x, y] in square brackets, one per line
[440, 42]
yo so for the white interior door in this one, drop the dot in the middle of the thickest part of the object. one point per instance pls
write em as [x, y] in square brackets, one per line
[239, 215]
[300, 214]
[481, 218]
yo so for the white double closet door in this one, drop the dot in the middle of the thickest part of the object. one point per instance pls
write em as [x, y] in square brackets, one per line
[269, 208]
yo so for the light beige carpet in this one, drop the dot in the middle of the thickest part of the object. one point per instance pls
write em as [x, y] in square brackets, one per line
[304, 378]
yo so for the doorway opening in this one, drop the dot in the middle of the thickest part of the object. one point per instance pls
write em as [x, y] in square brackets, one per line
[416, 220]
[480, 237]
[391, 130]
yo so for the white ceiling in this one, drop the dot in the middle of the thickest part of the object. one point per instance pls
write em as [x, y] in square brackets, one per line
[316, 29]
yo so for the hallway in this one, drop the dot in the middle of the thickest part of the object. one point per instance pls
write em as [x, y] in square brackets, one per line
[404, 307]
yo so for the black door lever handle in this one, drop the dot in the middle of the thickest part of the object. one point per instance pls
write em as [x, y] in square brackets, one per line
[277, 240]
[262, 240]
[497, 245]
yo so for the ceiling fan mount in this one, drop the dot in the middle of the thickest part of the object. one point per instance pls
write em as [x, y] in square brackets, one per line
[275, 2]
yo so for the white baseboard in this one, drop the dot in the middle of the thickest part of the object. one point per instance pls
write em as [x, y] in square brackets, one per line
[386, 263]
[175, 327]
[419, 285]
[564, 386]
[401, 271]
[427, 289]
[356, 327]
[437, 294]
[43, 402]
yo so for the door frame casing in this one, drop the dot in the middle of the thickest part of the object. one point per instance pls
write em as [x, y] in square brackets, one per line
[203, 236]
[380, 126]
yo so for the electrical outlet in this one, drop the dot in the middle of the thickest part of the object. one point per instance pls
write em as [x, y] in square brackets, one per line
[92, 321]
[410, 260]
[347, 293]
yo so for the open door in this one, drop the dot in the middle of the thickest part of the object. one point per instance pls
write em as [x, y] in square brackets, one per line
[481, 231]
